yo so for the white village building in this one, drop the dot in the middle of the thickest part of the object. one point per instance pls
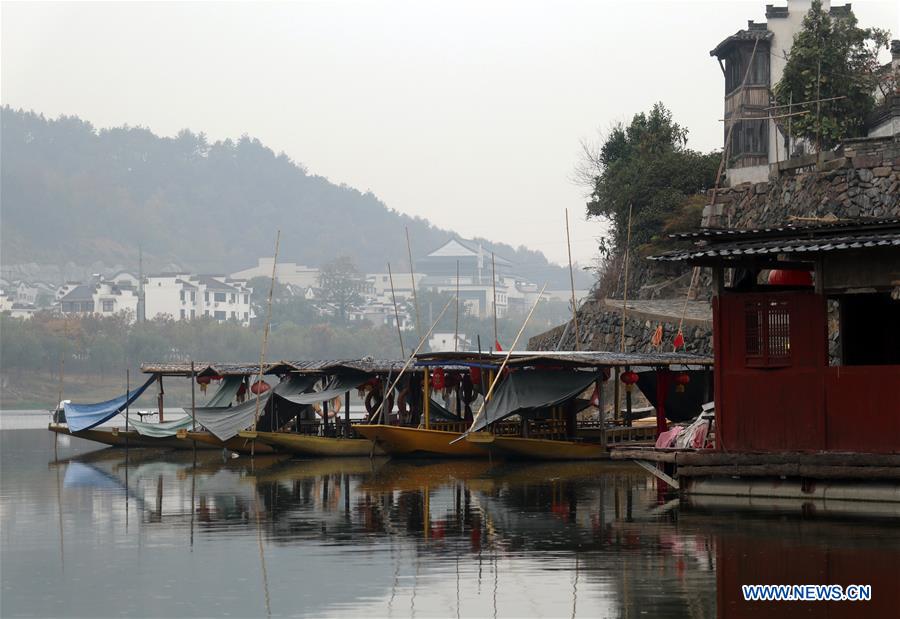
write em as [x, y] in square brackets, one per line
[181, 296]
[758, 140]
[289, 273]
[100, 297]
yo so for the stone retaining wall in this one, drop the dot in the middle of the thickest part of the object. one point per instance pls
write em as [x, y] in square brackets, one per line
[600, 327]
[861, 179]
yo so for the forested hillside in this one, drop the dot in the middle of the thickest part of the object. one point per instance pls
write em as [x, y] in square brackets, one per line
[72, 193]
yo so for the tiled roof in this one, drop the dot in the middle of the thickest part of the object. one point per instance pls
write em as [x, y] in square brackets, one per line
[752, 33]
[789, 239]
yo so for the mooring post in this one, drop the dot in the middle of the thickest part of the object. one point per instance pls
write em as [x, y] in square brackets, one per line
[347, 415]
[662, 388]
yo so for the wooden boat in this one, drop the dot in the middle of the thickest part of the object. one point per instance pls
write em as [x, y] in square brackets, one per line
[120, 438]
[419, 442]
[211, 441]
[308, 445]
[537, 448]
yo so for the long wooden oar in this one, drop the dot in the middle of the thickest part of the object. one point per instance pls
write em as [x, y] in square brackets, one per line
[494, 382]
[410, 360]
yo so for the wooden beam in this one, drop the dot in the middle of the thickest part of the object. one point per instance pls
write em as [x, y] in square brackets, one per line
[651, 468]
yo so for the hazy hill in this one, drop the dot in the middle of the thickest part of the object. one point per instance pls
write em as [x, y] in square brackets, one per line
[71, 193]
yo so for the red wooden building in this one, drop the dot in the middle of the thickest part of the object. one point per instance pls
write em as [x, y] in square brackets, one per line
[807, 336]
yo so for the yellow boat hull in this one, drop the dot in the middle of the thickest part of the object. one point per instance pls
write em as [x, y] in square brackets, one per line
[537, 448]
[305, 445]
[413, 442]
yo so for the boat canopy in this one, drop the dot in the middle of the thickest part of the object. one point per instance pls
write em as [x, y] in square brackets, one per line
[164, 429]
[337, 386]
[86, 416]
[226, 392]
[525, 391]
[227, 422]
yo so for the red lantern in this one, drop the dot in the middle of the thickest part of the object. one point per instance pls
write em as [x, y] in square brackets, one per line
[216, 377]
[681, 380]
[790, 277]
[203, 381]
[259, 387]
[437, 381]
[629, 377]
[475, 373]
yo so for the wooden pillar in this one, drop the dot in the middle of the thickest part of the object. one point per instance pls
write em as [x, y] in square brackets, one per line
[628, 390]
[599, 387]
[616, 397]
[347, 415]
[718, 280]
[160, 397]
[662, 388]
[426, 399]
[325, 418]
[193, 399]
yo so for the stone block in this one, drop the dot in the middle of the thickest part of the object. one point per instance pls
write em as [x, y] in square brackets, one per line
[867, 161]
[882, 171]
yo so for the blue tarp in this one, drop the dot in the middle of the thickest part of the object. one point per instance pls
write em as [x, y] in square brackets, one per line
[86, 416]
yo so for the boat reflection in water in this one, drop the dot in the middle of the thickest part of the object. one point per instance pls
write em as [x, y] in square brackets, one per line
[183, 534]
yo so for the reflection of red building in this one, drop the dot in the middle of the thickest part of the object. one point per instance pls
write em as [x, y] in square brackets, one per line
[772, 552]
[812, 368]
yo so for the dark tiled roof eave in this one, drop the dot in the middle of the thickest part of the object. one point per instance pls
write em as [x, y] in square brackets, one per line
[796, 246]
[737, 37]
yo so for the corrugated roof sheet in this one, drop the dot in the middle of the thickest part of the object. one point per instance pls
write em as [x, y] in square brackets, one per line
[206, 368]
[331, 366]
[569, 358]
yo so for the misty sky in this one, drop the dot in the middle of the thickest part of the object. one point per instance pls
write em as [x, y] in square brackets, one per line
[467, 113]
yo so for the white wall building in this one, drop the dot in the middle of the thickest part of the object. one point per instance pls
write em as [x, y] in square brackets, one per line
[289, 273]
[443, 342]
[381, 284]
[756, 140]
[181, 296]
[99, 297]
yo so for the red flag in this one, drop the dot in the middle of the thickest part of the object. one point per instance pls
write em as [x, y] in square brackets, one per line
[679, 340]
[497, 345]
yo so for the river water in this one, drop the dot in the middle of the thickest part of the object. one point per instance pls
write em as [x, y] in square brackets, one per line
[95, 532]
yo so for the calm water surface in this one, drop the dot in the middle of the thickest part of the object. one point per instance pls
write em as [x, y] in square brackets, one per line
[95, 532]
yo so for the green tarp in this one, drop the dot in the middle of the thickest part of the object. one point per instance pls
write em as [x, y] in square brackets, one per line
[164, 429]
[524, 391]
[226, 392]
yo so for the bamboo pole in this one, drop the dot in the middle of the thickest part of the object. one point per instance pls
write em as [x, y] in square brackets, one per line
[409, 360]
[193, 398]
[572, 281]
[625, 292]
[456, 329]
[499, 373]
[494, 287]
[127, 398]
[265, 340]
[412, 278]
[396, 312]
[426, 399]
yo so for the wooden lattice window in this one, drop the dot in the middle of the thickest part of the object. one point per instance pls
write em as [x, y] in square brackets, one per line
[767, 334]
